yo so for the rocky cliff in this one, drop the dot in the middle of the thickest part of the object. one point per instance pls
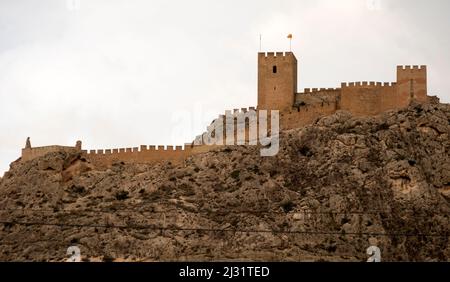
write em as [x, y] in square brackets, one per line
[336, 187]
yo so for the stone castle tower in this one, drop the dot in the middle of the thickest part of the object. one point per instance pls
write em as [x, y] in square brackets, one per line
[277, 80]
[412, 83]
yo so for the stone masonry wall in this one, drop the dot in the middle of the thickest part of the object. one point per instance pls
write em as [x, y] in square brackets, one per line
[32, 153]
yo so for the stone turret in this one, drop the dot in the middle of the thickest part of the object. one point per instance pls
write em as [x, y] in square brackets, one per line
[28, 143]
[78, 145]
[277, 80]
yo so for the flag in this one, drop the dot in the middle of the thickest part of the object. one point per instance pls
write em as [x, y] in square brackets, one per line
[289, 36]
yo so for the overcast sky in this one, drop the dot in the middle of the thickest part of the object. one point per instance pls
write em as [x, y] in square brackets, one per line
[125, 73]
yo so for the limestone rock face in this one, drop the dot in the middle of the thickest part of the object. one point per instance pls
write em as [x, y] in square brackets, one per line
[335, 188]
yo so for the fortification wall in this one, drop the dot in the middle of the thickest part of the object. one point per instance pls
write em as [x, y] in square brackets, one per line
[368, 98]
[316, 95]
[145, 154]
[103, 158]
[238, 118]
[391, 99]
[35, 152]
[325, 91]
[307, 114]
[142, 154]
[298, 116]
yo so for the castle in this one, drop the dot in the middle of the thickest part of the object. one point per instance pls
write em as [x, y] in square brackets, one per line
[277, 90]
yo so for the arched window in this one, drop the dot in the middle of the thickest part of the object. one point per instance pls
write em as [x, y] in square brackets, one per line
[274, 69]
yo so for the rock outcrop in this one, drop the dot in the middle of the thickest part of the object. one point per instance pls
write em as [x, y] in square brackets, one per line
[335, 188]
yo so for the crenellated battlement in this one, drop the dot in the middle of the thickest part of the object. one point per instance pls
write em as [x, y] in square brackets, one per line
[318, 90]
[136, 150]
[237, 112]
[141, 154]
[416, 67]
[275, 54]
[367, 84]
[29, 153]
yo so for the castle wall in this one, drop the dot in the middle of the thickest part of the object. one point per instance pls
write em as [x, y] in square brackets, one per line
[304, 115]
[321, 91]
[239, 118]
[368, 98]
[317, 95]
[142, 154]
[103, 158]
[296, 117]
[35, 152]
[145, 154]
[390, 99]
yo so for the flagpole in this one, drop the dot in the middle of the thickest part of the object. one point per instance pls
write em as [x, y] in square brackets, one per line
[290, 41]
[259, 42]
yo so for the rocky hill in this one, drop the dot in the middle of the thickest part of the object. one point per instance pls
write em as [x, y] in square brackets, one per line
[336, 187]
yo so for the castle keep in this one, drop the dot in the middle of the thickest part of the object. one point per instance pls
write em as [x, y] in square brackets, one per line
[277, 90]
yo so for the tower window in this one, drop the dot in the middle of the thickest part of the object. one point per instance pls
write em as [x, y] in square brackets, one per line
[274, 69]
